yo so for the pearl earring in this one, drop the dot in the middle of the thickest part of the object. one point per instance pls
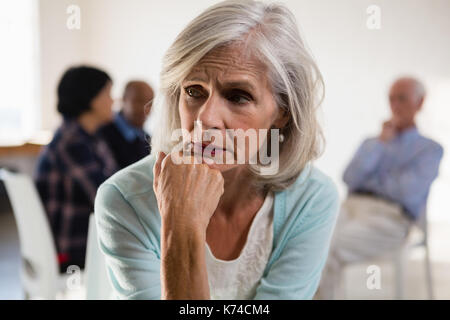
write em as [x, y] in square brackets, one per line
[281, 137]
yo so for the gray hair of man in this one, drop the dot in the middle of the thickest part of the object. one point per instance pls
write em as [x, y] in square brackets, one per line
[271, 31]
[418, 86]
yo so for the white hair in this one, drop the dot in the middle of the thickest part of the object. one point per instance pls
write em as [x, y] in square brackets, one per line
[419, 88]
[272, 34]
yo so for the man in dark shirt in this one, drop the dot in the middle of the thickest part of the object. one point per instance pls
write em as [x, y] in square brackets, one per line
[125, 135]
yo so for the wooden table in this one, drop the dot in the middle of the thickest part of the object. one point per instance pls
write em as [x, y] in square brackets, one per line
[20, 157]
[26, 149]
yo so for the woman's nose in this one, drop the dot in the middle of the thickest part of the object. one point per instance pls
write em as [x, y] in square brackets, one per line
[210, 113]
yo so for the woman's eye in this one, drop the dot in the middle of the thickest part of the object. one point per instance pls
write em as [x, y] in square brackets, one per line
[239, 98]
[192, 92]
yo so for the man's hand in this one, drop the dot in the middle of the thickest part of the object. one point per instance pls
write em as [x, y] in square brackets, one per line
[388, 132]
[187, 194]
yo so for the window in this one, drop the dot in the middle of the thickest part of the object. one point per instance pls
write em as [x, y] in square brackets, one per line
[19, 99]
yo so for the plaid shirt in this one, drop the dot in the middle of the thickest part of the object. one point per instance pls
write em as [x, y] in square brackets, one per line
[68, 173]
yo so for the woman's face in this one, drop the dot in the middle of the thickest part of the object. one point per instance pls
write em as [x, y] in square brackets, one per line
[228, 89]
[101, 105]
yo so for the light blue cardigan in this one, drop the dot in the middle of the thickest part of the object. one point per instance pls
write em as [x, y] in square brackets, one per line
[129, 222]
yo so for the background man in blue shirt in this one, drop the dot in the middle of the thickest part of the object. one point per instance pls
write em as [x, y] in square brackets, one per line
[388, 183]
[125, 136]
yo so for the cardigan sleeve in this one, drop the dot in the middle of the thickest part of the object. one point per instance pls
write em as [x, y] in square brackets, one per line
[132, 261]
[297, 271]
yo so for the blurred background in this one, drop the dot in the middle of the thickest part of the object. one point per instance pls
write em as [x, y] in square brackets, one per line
[128, 40]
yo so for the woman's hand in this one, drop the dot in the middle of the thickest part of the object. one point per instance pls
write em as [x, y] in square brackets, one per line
[187, 194]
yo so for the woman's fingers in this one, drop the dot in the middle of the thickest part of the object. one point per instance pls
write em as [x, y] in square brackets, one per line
[157, 169]
[186, 190]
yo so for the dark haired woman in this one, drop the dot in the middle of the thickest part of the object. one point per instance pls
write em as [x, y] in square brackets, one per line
[75, 163]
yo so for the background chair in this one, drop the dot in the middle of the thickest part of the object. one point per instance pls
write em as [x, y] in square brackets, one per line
[98, 286]
[40, 273]
[418, 238]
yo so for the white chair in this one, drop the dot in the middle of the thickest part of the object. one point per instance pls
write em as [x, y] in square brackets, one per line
[400, 259]
[402, 255]
[40, 272]
[98, 286]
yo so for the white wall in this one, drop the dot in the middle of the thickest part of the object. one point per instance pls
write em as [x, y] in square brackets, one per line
[129, 38]
[59, 48]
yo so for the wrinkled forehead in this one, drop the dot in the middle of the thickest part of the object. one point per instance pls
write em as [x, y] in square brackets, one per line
[232, 60]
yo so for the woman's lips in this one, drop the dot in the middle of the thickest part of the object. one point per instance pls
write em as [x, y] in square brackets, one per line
[212, 149]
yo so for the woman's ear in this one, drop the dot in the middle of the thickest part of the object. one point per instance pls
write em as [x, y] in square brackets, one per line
[282, 118]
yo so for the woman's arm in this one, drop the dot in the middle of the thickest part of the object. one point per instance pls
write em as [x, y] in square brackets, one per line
[132, 258]
[183, 266]
[187, 196]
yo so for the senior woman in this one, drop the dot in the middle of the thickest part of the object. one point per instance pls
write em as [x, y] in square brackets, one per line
[221, 230]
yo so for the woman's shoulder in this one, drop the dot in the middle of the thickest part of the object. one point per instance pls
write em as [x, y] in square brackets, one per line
[312, 180]
[126, 208]
[134, 180]
[313, 195]
[127, 198]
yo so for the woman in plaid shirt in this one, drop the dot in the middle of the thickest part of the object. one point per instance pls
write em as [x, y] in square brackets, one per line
[76, 162]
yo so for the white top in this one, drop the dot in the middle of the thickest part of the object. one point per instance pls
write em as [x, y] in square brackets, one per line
[239, 278]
